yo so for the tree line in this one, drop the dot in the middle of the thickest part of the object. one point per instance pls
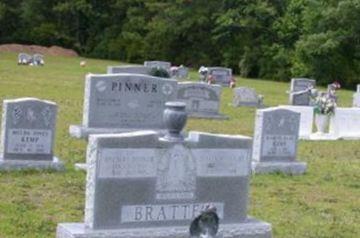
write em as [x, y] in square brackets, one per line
[272, 39]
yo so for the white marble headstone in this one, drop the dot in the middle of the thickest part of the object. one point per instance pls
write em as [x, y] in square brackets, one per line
[345, 123]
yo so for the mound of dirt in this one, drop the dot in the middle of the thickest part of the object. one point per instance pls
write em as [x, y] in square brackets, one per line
[32, 49]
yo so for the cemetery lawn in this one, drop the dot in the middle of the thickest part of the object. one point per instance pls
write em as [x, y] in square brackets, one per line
[323, 203]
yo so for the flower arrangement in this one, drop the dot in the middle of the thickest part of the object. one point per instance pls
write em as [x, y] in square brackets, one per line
[325, 102]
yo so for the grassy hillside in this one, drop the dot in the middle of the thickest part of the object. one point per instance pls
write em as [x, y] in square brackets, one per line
[323, 203]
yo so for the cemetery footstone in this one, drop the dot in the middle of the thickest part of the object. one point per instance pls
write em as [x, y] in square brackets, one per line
[128, 69]
[275, 142]
[306, 119]
[115, 103]
[219, 75]
[248, 97]
[202, 100]
[27, 135]
[299, 93]
[140, 184]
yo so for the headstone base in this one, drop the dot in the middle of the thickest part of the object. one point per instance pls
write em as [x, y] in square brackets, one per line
[8, 165]
[80, 131]
[209, 116]
[249, 229]
[293, 168]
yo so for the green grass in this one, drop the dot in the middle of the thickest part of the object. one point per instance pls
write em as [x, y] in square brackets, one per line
[323, 203]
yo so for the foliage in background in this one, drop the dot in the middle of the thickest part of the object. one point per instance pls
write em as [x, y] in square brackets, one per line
[274, 39]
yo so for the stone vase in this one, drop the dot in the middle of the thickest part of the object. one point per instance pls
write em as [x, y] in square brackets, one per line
[322, 123]
[175, 118]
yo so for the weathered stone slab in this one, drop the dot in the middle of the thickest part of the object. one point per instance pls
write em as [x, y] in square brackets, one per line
[27, 135]
[115, 103]
[202, 100]
[275, 140]
[298, 94]
[128, 69]
[244, 96]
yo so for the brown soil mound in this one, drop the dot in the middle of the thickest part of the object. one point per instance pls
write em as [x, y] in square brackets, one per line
[32, 49]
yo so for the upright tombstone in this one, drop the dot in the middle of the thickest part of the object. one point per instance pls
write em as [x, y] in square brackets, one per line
[27, 135]
[179, 72]
[202, 100]
[306, 119]
[244, 96]
[275, 142]
[158, 64]
[128, 69]
[24, 59]
[299, 94]
[115, 103]
[344, 124]
[219, 75]
[140, 184]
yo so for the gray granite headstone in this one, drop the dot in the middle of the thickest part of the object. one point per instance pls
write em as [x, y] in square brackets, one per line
[298, 95]
[202, 100]
[141, 185]
[158, 64]
[220, 75]
[244, 96]
[27, 135]
[116, 103]
[276, 136]
[128, 69]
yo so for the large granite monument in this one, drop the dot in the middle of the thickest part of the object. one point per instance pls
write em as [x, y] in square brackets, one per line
[141, 184]
[115, 103]
[275, 142]
[27, 135]
[202, 100]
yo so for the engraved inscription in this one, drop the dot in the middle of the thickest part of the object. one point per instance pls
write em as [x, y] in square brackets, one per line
[166, 212]
[222, 163]
[279, 145]
[127, 163]
[29, 141]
